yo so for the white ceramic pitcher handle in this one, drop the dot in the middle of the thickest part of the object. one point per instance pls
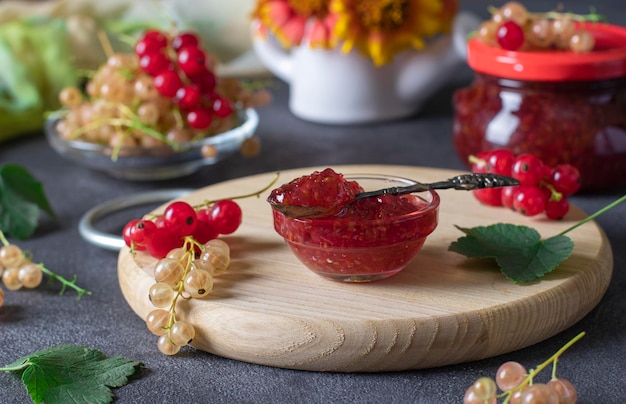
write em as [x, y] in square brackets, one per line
[277, 59]
[464, 24]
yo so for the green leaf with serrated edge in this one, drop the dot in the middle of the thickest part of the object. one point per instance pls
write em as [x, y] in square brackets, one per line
[518, 250]
[69, 373]
[21, 198]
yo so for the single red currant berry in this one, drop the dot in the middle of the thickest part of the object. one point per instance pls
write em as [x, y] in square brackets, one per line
[479, 162]
[185, 39]
[159, 221]
[565, 178]
[489, 196]
[199, 118]
[507, 196]
[204, 232]
[225, 216]
[500, 161]
[222, 108]
[167, 83]
[510, 36]
[528, 169]
[203, 215]
[152, 41]
[154, 63]
[206, 81]
[556, 210]
[126, 232]
[163, 241]
[180, 217]
[188, 97]
[191, 60]
[529, 200]
[142, 232]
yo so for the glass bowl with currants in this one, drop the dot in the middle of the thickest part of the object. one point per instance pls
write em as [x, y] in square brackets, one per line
[367, 240]
[159, 112]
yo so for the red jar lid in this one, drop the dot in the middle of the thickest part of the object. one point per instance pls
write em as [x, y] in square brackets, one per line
[606, 61]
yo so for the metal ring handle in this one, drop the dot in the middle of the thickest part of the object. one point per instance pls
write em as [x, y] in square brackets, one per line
[86, 226]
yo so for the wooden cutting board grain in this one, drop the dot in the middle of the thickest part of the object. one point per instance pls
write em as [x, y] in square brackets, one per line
[442, 309]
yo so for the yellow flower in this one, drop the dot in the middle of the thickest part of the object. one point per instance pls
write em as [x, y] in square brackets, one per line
[381, 28]
[291, 21]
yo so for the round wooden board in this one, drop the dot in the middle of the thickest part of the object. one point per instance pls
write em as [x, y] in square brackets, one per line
[442, 309]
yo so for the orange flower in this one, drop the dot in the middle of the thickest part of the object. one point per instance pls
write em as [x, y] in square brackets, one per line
[381, 28]
[292, 21]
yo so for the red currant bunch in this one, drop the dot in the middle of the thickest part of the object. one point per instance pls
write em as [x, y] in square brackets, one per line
[542, 189]
[517, 385]
[513, 28]
[182, 71]
[179, 221]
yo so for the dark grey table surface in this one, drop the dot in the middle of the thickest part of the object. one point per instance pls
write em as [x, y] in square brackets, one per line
[32, 320]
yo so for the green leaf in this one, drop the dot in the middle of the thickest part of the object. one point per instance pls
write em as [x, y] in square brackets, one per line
[21, 198]
[519, 251]
[70, 373]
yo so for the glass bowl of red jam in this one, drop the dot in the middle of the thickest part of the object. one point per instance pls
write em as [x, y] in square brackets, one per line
[561, 106]
[371, 239]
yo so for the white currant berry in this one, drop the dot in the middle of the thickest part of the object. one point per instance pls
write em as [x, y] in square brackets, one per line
[30, 275]
[166, 346]
[157, 321]
[182, 332]
[198, 283]
[161, 294]
[168, 270]
[11, 256]
[11, 278]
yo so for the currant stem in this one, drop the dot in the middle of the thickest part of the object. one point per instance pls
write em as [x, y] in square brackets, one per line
[16, 368]
[593, 216]
[3, 239]
[256, 193]
[65, 282]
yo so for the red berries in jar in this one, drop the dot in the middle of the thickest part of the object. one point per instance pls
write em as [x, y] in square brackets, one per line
[561, 106]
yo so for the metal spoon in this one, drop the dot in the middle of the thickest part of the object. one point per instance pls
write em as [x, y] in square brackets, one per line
[466, 182]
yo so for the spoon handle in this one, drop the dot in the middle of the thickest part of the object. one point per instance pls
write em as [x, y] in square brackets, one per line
[465, 182]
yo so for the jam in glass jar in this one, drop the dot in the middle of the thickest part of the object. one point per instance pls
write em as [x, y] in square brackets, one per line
[563, 107]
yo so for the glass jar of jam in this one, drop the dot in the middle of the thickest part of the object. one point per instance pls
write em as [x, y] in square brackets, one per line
[563, 107]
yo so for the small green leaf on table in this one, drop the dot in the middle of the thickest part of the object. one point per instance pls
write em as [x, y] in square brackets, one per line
[519, 251]
[21, 199]
[72, 374]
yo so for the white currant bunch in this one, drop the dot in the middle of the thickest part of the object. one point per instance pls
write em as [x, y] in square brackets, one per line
[517, 385]
[18, 271]
[186, 272]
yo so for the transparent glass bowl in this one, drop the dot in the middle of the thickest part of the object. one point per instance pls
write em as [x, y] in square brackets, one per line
[153, 163]
[359, 250]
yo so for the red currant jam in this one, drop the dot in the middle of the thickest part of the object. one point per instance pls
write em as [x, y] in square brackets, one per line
[371, 239]
[580, 123]
[324, 188]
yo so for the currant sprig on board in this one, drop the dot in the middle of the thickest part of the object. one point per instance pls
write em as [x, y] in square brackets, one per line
[542, 189]
[184, 239]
